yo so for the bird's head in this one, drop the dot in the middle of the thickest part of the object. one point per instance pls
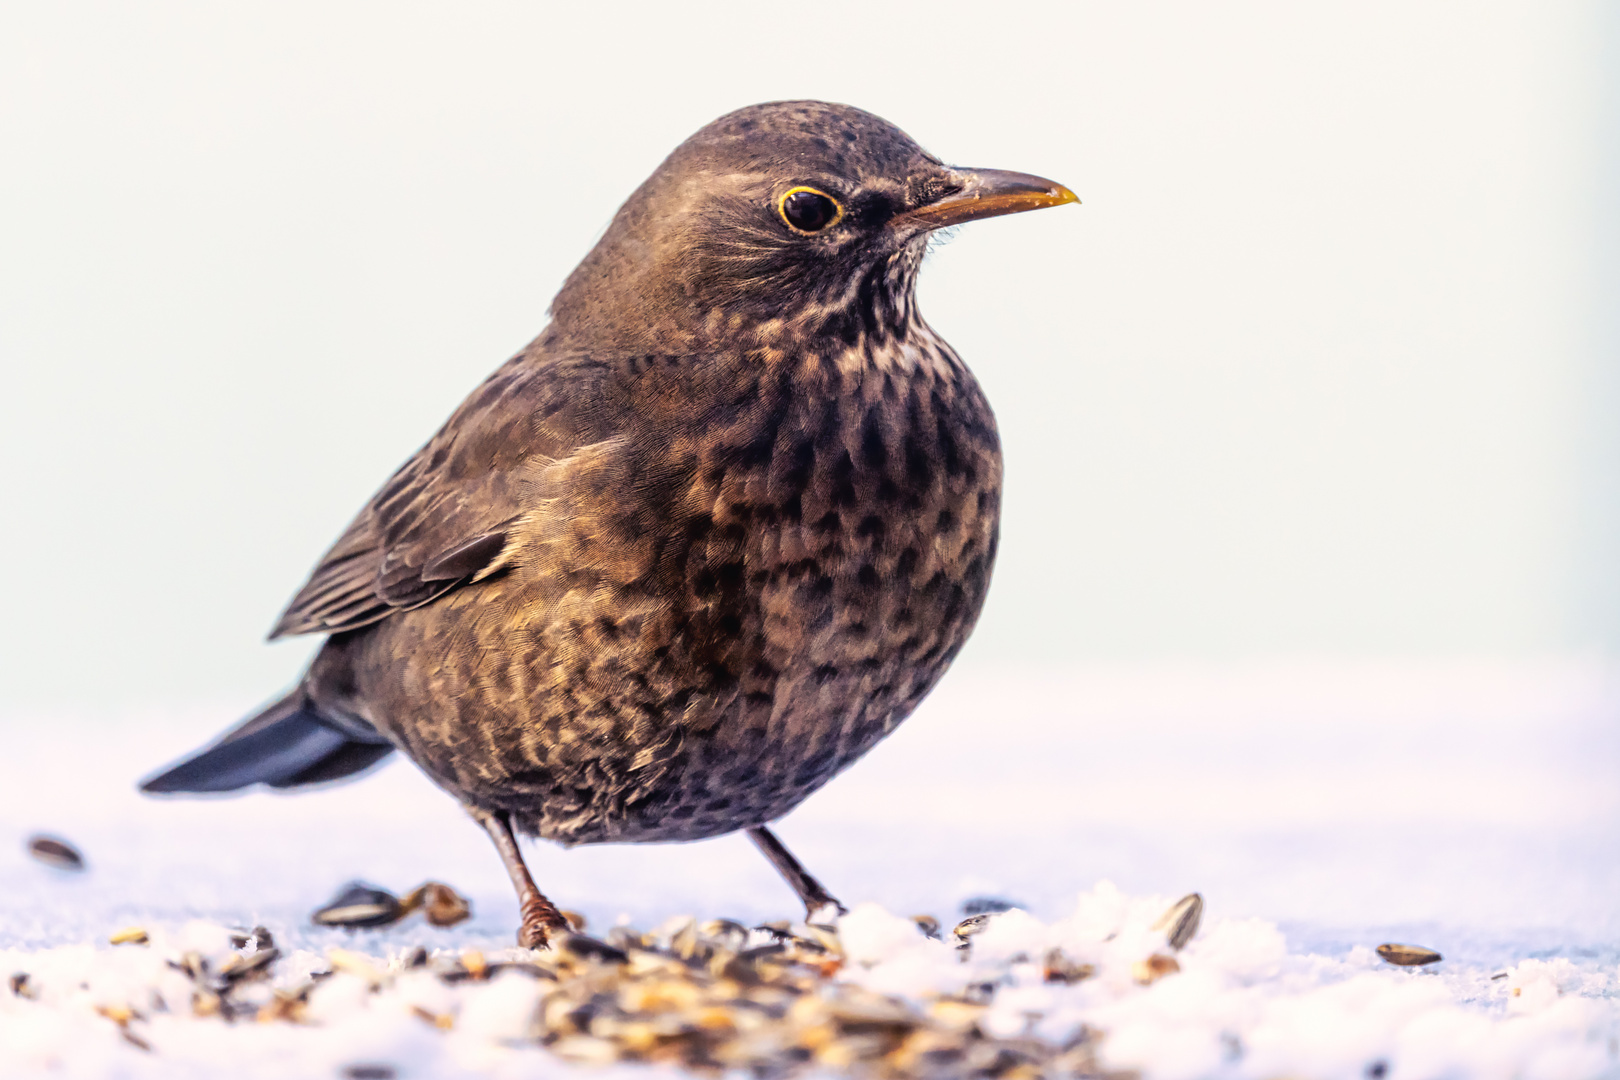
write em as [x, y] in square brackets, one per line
[796, 217]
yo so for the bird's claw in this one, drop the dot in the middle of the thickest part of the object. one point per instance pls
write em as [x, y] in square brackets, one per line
[539, 920]
[825, 913]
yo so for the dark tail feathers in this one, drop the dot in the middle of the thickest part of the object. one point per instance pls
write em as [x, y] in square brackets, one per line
[287, 745]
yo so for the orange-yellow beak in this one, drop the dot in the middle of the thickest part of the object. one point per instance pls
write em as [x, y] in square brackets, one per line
[989, 193]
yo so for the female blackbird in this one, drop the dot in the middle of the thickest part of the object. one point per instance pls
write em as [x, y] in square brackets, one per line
[696, 548]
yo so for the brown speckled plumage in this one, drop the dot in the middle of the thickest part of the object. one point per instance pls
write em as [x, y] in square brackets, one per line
[712, 535]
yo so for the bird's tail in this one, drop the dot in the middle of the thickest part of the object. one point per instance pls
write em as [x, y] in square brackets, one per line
[287, 745]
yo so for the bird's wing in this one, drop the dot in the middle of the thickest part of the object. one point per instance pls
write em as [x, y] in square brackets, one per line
[442, 519]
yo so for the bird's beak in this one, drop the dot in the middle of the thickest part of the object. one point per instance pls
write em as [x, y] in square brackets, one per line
[988, 193]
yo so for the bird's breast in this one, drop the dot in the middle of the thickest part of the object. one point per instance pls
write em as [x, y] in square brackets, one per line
[844, 531]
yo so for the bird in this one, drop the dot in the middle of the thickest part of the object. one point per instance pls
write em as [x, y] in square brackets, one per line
[697, 547]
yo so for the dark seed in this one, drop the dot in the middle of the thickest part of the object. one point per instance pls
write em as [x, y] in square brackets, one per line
[928, 925]
[253, 940]
[53, 852]
[1499, 975]
[360, 904]
[20, 985]
[1408, 955]
[589, 948]
[987, 905]
[368, 1072]
[242, 965]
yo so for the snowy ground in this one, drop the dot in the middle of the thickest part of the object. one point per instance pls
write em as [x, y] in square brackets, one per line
[1319, 809]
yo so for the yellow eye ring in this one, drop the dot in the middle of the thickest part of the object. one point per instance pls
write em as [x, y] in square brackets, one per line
[807, 210]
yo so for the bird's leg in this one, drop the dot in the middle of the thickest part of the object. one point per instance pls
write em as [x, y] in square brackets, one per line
[540, 916]
[819, 904]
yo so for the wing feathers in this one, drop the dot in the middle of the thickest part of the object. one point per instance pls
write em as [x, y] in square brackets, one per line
[443, 519]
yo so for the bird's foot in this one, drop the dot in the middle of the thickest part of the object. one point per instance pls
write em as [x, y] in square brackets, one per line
[540, 918]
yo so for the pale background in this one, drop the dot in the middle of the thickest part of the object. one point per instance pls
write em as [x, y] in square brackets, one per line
[1310, 583]
[1320, 367]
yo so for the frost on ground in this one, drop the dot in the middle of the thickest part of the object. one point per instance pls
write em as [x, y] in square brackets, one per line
[1097, 991]
[1320, 810]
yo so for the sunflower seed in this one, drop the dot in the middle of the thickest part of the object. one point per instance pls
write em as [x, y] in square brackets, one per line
[987, 905]
[1408, 955]
[368, 1071]
[240, 966]
[928, 925]
[1180, 923]
[54, 852]
[21, 986]
[589, 948]
[359, 904]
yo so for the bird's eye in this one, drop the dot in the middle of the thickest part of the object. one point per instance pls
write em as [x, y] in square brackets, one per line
[807, 210]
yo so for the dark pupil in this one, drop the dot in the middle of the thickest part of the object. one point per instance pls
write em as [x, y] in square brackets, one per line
[809, 210]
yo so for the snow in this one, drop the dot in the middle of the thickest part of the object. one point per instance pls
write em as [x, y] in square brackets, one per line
[1320, 809]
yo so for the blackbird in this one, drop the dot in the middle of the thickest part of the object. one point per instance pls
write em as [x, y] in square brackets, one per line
[695, 549]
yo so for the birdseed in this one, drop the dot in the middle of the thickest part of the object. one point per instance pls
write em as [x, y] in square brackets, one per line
[1408, 955]
[359, 905]
[711, 996]
[1180, 922]
[55, 852]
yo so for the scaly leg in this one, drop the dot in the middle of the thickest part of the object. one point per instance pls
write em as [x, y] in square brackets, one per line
[817, 900]
[540, 916]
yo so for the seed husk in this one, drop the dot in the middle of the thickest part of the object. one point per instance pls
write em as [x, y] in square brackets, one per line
[1154, 968]
[442, 1021]
[1061, 969]
[1408, 955]
[725, 933]
[56, 852]
[928, 925]
[129, 935]
[21, 986]
[439, 903]
[1180, 922]
[359, 905]
[973, 924]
